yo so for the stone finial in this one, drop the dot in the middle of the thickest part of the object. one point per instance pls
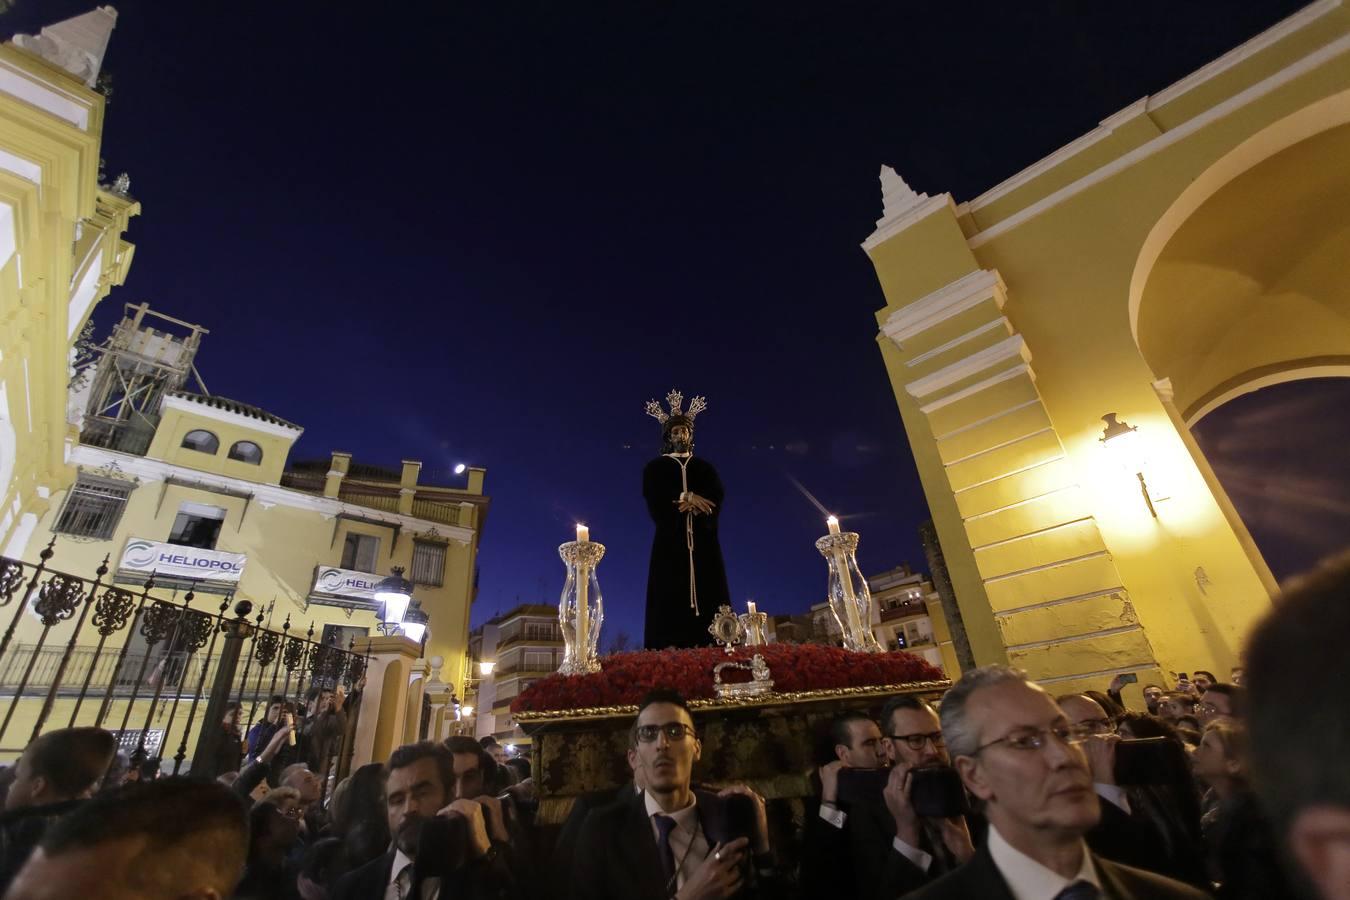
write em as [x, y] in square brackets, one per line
[77, 44]
[897, 198]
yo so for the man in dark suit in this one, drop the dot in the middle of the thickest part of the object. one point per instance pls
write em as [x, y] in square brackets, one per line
[422, 787]
[1018, 753]
[914, 850]
[671, 840]
[831, 825]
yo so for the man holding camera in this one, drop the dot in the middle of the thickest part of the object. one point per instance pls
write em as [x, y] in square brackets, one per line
[924, 847]
[444, 845]
[672, 840]
[849, 797]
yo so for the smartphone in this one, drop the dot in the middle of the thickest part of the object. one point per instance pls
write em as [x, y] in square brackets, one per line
[936, 792]
[1155, 760]
[861, 785]
[1181, 676]
[1129, 678]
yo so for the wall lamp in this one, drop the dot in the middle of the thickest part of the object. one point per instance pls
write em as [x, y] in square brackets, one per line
[1121, 441]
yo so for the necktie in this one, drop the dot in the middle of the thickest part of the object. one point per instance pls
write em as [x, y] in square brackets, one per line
[1080, 890]
[403, 883]
[664, 826]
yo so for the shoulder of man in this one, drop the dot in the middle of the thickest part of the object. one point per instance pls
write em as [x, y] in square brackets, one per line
[365, 882]
[977, 878]
[1131, 882]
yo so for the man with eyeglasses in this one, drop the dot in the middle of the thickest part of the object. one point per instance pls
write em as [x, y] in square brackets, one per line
[919, 850]
[672, 840]
[1019, 754]
[1122, 834]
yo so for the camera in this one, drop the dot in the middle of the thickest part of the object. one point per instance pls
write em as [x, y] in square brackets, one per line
[936, 792]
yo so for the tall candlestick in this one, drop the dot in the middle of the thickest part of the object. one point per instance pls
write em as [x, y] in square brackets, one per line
[850, 599]
[833, 523]
[583, 533]
[583, 614]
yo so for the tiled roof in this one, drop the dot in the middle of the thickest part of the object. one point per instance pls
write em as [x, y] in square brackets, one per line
[234, 406]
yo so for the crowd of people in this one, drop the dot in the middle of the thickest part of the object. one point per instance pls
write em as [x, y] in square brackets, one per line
[1000, 789]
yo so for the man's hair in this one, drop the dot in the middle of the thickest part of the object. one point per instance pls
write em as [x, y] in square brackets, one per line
[410, 753]
[1299, 749]
[897, 703]
[274, 700]
[840, 730]
[1158, 686]
[960, 734]
[1181, 696]
[1212, 679]
[1237, 697]
[487, 741]
[73, 760]
[1143, 725]
[462, 743]
[1112, 709]
[195, 833]
[290, 770]
[658, 695]
[279, 795]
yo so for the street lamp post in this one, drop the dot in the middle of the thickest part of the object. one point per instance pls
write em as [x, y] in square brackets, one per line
[394, 592]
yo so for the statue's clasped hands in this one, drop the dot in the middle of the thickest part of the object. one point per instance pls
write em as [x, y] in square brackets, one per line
[692, 502]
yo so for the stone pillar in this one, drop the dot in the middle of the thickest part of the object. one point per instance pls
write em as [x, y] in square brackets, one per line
[384, 704]
[412, 713]
[440, 695]
[476, 476]
[408, 485]
[337, 470]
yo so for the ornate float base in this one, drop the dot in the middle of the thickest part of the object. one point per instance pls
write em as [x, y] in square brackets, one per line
[771, 742]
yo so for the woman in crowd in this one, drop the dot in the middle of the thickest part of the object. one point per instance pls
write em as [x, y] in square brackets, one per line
[1243, 855]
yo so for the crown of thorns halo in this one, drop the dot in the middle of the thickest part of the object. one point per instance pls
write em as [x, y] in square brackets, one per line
[676, 400]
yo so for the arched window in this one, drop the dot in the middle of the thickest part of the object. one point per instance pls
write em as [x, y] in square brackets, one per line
[246, 451]
[201, 440]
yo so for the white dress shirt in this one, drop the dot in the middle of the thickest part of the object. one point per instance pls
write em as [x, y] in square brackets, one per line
[1029, 880]
[400, 881]
[687, 843]
[1113, 794]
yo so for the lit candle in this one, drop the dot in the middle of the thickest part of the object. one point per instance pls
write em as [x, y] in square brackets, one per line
[583, 533]
[750, 605]
[834, 524]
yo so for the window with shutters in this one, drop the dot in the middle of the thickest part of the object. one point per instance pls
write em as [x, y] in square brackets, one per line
[428, 563]
[93, 507]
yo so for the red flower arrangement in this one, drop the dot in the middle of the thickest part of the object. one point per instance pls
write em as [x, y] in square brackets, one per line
[625, 677]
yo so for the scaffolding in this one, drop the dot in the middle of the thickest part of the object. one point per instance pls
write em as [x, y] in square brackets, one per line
[132, 371]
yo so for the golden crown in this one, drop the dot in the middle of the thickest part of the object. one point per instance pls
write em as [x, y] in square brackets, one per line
[675, 400]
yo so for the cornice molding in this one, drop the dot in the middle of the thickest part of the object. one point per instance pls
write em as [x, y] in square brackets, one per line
[1006, 375]
[1008, 348]
[156, 470]
[962, 294]
[888, 228]
[232, 418]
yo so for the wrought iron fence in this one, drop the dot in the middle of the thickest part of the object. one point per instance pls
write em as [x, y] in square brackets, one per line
[138, 663]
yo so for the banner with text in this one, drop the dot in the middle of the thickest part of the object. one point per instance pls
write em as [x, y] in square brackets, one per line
[174, 561]
[337, 582]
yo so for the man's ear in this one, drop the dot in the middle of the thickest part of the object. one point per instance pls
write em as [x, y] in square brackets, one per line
[972, 773]
[38, 787]
[698, 749]
[1320, 840]
[634, 761]
[841, 751]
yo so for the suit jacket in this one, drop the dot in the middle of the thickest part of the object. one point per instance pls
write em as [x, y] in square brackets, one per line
[564, 848]
[980, 878]
[616, 855]
[481, 880]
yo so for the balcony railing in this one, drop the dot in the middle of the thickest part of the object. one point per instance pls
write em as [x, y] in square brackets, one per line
[172, 670]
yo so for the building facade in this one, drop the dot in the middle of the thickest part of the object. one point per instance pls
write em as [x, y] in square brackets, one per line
[197, 492]
[61, 250]
[521, 646]
[1188, 250]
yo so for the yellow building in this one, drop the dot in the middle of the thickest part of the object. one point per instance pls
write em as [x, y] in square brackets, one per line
[1190, 249]
[194, 490]
[61, 250]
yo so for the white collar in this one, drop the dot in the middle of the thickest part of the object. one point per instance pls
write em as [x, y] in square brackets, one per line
[1026, 878]
[684, 818]
[401, 860]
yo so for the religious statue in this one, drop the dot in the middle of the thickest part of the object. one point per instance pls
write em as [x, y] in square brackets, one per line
[686, 580]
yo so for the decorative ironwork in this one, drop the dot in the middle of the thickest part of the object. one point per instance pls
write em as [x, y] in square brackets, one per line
[158, 621]
[11, 579]
[58, 599]
[269, 642]
[759, 683]
[294, 654]
[195, 630]
[112, 610]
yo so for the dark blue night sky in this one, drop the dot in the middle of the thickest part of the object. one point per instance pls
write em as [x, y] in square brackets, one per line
[490, 232]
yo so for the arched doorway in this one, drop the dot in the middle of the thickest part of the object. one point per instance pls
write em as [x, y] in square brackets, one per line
[1241, 303]
[1280, 453]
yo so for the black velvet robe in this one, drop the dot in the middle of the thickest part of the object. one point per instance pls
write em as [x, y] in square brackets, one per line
[670, 620]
